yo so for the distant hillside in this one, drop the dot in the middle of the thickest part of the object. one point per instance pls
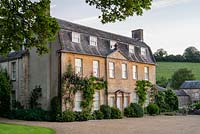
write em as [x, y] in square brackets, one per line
[166, 69]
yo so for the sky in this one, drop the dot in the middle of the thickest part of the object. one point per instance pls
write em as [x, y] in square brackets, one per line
[172, 25]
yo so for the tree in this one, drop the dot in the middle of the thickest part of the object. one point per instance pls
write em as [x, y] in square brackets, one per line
[28, 23]
[160, 54]
[25, 23]
[113, 10]
[192, 54]
[5, 92]
[180, 76]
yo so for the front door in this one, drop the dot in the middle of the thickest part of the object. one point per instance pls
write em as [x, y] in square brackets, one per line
[119, 102]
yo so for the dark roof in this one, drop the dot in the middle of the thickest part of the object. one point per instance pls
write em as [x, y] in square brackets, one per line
[194, 84]
[103, 47]
[12, 56]
[181, 93]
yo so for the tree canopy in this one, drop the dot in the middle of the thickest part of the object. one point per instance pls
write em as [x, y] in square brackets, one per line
[113, 10]
[180, 76]
[27, 23]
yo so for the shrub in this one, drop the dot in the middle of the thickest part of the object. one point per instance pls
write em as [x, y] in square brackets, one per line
[167, 101]
[30, 114]
[152, 109]
[134, 110]
[115, 113]
[82, 116]
[5, 93]
[97, 114]
[55, 108]
[106, 110]
[196, 106]
[68, 116]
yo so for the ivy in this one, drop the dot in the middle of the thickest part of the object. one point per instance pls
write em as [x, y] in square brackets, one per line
[142, 87]
[72, 83]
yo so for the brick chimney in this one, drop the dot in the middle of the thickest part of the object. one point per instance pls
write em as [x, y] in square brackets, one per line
[137, 34]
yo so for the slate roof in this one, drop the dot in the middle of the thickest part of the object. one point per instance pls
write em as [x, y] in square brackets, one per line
[181, 93]
[103, 47]
[194, 84]
[159, 88]
[12, 56]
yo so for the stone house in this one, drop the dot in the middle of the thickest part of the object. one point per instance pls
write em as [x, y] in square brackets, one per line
[190, 92]
[119, 60]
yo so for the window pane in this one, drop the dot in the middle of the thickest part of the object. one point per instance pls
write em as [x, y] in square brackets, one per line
[96, 103]
[75, 37]
[131, 48]
[119, 102]
[78, 66]
[96, 68]
[135, 72]
[13, 70]
[78, 99]
[135, 97]
[124, 71]
[125, 101]
[111, 70]
[93, 41]
[143, 51]
[146, 73]
[112, 44]
[112, 101]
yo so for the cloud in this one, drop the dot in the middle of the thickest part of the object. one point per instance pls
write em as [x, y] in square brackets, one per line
[166, 3]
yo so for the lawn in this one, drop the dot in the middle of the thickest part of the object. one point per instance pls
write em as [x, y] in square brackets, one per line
[21, 129]
[166, 69]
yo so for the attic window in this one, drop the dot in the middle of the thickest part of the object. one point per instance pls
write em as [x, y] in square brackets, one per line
[143, 51]
[93, 41]
[112, 44]
[76, 37]
[131, 49]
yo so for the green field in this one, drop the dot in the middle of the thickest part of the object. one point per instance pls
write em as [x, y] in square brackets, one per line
[21, 129]
[166, 69]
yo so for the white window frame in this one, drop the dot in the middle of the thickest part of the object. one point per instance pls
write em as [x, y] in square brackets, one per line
[131, 49]
[96, 101]
[112, 101]
[135, 72]
[96, 68]
[126, 101]
[135, 97]
[79, 66]
[143, 51]
[78, 100]
[76, 37]
[146, 73]
[13, 70]
[112, 44]
[124, 71]
[93, 41]
[111, 69]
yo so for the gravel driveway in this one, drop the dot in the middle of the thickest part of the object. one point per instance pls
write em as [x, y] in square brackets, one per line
[147, 125]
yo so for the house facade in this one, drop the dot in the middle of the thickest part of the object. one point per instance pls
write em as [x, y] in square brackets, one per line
[119, 60]
[190, 92]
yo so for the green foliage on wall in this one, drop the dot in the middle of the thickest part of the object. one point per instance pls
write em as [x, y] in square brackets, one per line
[5, 92]
[72, 83]
[142, 87]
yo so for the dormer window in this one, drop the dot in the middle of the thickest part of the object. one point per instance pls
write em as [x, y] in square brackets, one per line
[93, 41]
[112, 44]
[76, 37]
[143, 51]
[131, 49]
